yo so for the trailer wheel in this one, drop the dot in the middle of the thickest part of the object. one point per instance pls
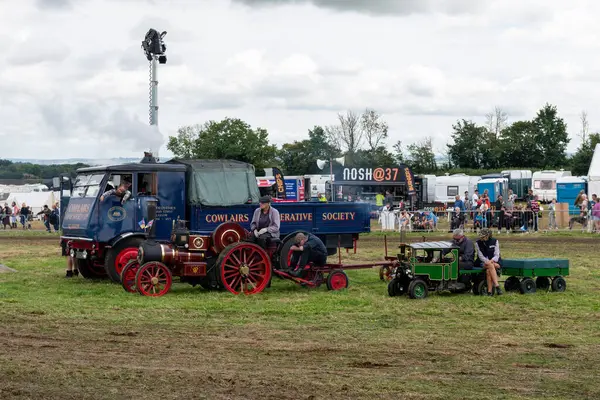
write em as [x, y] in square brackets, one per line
[418, 289]
[244, 268]
[527, 286]
[118, 257]
[128, 276]
[337, 280]
[559, 284]
[153, 279]
[89, 270]
[542, 283]
[512, 284]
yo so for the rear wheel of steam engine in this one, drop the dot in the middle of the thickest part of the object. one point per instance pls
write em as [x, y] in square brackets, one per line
[153, 279]
[89, 270]
[226, 234]
[418, 289]
[128, 276]
[244, 268]
[118, 257]
[337, 280]
[480, 288]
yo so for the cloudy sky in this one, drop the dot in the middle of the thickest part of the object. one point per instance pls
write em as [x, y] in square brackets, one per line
[74, 81]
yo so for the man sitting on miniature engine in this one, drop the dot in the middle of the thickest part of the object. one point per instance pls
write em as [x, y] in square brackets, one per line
[307, 249]
[265, 223]
[466, 250]
[488, 252]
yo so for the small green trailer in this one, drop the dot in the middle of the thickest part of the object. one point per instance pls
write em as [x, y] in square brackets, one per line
[528, 275]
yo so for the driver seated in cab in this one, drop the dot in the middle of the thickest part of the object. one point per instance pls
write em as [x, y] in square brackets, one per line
[265, 223]
[466, 250]
[307, 249]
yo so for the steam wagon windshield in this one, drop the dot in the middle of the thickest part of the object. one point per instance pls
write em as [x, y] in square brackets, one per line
[87, 185]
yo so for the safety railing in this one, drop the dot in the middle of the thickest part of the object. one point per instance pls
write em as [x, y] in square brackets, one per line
[518, 220]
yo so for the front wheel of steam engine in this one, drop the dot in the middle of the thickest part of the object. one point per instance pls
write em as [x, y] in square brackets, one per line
[244, 268]
[153, 279]
[118, 257]
[398, 286]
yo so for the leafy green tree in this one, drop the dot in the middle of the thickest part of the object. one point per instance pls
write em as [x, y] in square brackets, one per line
[230, 138]
[551, 137]
[398, 152]
[421, 157]
[473, 146]
[581, 160]
[300, 157]
[372, 157]
[518, 146]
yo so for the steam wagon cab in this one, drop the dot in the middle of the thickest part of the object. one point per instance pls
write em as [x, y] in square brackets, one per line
[427, 266]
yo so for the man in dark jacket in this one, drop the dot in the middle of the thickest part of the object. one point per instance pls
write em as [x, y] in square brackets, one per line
[307, 248]
[466, 251]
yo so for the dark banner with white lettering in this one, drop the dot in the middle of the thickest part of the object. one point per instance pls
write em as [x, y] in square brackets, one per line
[279, 183]
[399, 174]
[409, 178]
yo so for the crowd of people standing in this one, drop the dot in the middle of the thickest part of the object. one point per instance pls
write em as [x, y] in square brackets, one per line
[12, 215]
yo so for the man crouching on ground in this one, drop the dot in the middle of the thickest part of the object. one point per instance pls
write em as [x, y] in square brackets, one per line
[307, 248]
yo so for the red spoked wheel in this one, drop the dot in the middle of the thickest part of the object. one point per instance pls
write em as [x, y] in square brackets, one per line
[128, 276]
[244, 268]
[124, 256]
[227, 233]
[337, 280]
[153, 279]
[385, 273]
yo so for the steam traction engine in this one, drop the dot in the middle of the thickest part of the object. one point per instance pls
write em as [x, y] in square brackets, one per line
[221, 260]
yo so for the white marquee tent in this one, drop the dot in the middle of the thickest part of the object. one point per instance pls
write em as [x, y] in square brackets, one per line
[35, 200]
[594, 173]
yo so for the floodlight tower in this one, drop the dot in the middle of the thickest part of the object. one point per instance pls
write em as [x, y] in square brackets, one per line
[154, 48]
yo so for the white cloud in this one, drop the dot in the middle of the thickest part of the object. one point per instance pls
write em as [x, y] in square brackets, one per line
[74, 73]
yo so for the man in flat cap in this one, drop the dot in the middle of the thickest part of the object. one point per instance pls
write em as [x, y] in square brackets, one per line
[265, 223]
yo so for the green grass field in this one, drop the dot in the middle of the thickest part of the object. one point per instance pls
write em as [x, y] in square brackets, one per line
[75, 339]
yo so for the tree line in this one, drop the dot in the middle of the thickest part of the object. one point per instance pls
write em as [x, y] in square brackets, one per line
[35, 172]
[539, 143]
[362, 138]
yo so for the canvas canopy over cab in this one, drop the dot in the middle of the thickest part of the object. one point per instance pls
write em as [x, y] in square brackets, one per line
[220, 182]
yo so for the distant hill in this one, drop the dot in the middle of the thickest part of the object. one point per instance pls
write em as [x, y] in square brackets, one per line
[88, 161]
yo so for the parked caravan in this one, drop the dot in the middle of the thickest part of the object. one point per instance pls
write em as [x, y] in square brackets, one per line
[519, 180]
[593, 175]
[544, 183]
[567, 190]
[448, 186]
[428, 194]
[494, 186]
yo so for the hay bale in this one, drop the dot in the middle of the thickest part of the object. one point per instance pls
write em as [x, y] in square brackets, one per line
[5, 269]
